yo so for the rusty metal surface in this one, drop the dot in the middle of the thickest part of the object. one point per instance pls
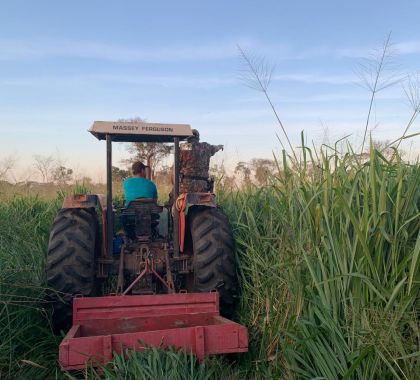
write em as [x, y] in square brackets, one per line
[194, 166]
[145, 262]
[80, 201]
[145, 267]
[194, 199]
[201, 199]
[102, 202]
[104, 325]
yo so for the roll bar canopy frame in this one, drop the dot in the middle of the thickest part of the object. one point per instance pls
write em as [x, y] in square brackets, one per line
[138, 131]
[110, 137]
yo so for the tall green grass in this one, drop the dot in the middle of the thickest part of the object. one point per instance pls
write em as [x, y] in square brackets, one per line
[328, 258]
[27, 346]
[154, 363]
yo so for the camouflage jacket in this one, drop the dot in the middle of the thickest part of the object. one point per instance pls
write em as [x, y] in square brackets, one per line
[195, 159]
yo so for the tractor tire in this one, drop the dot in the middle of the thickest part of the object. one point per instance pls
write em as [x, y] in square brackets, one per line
[214, 261]
[70, 265]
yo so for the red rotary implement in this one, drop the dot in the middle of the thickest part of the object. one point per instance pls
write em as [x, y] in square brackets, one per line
[104, 325]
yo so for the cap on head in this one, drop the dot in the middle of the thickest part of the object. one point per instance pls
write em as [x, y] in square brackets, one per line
[195, 136]
[138, 167]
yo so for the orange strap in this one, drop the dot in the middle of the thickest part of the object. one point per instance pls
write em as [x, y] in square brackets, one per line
[180, 205]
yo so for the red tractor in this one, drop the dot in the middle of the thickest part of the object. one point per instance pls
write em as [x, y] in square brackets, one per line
[159, 283]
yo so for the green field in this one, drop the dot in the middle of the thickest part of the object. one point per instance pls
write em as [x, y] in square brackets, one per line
[328, 255]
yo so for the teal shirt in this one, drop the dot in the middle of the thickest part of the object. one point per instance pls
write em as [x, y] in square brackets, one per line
[137, 187]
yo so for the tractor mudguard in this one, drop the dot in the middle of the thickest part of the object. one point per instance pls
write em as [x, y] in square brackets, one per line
[182, 205]
[85, 201]
[187, 200]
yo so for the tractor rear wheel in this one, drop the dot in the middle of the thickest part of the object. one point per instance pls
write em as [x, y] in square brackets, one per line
[71, 261]
[214, 260]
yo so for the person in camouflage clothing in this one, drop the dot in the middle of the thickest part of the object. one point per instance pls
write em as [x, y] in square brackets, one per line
[194, 164]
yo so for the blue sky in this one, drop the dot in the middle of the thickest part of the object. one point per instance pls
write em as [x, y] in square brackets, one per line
[65, 64]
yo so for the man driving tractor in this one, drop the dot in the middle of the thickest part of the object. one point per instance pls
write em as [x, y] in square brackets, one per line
[138, 186]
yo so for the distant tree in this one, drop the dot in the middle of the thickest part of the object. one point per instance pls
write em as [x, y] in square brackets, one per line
[242, 168]
[221, 176]
[163, 177]
[229, 182]
[258, 169]
[86, 181]
[119, 174]
[262, 168]
[6, 164]
[164, 171]
[62, 175]
[44, 165]
[386, 148]
[217, 171]
[151, 154]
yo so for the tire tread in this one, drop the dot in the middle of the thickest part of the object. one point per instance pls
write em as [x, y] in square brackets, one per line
[70, 265]
[214, 256]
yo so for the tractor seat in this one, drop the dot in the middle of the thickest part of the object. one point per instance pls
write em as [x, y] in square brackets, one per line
[142, 204]
[141, 217]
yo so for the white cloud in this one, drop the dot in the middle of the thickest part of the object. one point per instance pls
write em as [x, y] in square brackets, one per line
[58, 48]
[403, 48]
[39, 49]
[94, 79]
[11, 49]
[172, 80]
[408, 47]
[181, 81]
[316, 78]
[225, 49]
[353, 52]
